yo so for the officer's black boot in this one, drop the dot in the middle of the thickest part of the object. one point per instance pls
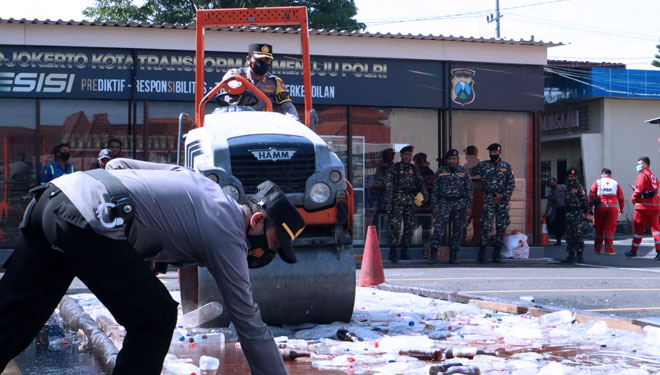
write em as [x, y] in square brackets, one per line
[496, 254]
[580, 256]
[433, 255]
[571, 258]
[452, 255]
[482, 254]
[404, 253]
[393, 256]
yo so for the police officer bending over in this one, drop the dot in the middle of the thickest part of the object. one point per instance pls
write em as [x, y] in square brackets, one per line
[151, 211]
[258, 62]
[451, 201]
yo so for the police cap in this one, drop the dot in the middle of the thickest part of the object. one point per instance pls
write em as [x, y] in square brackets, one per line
[494, 147]
[451, 153]
[260, 50]
[408, 148]
[281, 214]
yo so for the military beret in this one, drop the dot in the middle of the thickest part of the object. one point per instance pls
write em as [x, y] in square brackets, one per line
[260, 50]
[572, 171]
[408, 148]
[494, 147]
[451, 153]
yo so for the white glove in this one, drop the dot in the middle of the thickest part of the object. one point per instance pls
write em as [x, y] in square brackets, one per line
[234, 84]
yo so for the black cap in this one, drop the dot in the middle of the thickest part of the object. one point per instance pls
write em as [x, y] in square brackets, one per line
[106, 153]
[260, 50]
[283, 215]
[451, 153]
[572, 171]
[408, 148]
[494, 147]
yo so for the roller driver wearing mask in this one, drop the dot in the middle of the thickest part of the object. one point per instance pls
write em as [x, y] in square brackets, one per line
[256, 70]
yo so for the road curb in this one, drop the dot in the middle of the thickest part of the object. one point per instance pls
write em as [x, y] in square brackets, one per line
[508, 306]
[75, 318]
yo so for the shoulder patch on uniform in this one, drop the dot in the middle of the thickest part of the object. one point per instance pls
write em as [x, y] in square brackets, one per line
[461, 174]
[504, 169]
[281, 93]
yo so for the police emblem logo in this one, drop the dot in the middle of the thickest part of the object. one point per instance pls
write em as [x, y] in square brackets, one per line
[265, 49]
[462, 82]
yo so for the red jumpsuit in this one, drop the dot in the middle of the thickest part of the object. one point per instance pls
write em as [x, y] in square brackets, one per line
[605, 215]
[646, 209]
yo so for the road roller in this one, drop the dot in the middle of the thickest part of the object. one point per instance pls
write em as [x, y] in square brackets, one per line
[238, 148]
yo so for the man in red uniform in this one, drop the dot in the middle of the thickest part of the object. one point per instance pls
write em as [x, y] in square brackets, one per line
[647, 207]
[610, 196]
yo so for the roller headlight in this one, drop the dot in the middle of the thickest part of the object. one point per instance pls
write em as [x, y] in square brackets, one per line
[232, 191]
[213, 177]
[335, 176]
[320, 192]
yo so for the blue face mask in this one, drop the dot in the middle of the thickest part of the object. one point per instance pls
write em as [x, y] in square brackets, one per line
[639, 168]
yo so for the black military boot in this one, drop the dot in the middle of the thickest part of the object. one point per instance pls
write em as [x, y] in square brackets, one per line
[452, 255]
[580, 256]
[496, 254]
[570, 259]
[393, 256]
[404, 253]
[482, 254]
[433, 255]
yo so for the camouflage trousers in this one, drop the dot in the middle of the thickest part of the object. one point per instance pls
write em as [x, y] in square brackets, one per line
[403, 210]
[498, 211]
[454, 213]
[574, 234]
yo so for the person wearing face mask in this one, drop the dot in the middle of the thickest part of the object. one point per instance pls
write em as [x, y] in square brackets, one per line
[70, 229]
[256, 70]
[606, 198]
[576, 206]
[498, 183]
[451, 201]
[555, 209]
[59, 167]
[647, 207]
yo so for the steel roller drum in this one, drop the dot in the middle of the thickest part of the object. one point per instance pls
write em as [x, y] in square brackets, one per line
[319, 288]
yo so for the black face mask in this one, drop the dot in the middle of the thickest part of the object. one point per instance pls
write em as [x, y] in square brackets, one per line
[64, 156]
[260, 67]
[494, 158]
[259, 254]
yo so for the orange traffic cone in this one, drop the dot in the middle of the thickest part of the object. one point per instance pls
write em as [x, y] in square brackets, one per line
[545, 237]
[371, 272]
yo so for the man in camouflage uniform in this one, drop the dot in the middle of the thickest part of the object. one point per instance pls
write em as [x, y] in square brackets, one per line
[404, 189]
[258, 62]
[576, 206]
[451, 201]
[498, 183]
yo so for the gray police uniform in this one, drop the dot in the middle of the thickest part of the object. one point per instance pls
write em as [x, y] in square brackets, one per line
[452, 195]
[272, 86]
[183, 217]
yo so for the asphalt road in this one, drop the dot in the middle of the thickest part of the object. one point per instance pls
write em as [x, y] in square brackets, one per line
[611, 285]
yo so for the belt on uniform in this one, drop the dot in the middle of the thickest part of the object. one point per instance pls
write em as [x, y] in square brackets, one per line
[451, 198]
[119, 210]
[406, 191]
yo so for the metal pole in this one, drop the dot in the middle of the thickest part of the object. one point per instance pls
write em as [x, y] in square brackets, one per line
[497, 14]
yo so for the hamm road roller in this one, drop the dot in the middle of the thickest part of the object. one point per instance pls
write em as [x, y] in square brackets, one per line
[238, 148]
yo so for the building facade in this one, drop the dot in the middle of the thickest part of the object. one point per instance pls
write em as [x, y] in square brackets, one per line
[594, 118]
[84, 83]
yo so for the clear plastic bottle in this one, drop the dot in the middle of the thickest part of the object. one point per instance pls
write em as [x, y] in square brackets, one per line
[201, 315]
[556, 318]
[208, 365]
[471, 370]
[208, 338]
